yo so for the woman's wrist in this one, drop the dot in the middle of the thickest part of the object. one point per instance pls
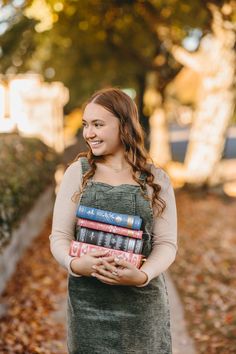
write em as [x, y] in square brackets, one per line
[74, 265]
[143, 278]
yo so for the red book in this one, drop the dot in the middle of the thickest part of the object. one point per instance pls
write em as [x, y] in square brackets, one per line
[78, 249]
[109, 228]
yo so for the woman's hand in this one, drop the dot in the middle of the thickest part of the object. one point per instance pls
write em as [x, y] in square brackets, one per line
[84, 265]
[122, 273]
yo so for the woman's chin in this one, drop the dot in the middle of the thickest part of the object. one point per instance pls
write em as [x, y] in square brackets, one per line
[97, 152]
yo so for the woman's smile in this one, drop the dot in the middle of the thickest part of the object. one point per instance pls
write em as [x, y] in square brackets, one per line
[95, 143]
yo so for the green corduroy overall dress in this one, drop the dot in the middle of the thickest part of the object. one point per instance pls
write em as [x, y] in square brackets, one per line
[111, 319]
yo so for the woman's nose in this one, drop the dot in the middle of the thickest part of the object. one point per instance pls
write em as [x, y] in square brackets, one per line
[89, 132]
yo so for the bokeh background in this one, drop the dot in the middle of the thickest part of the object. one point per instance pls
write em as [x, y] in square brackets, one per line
[176, 59]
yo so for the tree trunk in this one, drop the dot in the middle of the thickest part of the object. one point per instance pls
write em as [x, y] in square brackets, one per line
[159, 138]
[207, 136]
[215, 62]
[144, 120]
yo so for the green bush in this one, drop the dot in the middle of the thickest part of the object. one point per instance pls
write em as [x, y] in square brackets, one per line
[27, 167]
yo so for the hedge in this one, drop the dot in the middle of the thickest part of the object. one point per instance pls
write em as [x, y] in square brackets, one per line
[27, 167]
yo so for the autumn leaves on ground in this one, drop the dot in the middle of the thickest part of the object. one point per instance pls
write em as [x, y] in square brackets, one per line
[205, 269]
[204, 273]
[31, 298]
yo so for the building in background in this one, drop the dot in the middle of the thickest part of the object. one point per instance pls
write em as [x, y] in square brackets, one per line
[33, 108]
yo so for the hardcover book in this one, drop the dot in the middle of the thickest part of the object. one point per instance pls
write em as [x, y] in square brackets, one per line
[95, 225]
[108, 217]
[78, 249]
[109, 240]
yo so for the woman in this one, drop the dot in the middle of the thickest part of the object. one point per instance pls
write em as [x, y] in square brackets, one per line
[114, 307]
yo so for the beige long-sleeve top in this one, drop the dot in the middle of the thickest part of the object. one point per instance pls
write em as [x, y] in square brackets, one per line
[164, 228]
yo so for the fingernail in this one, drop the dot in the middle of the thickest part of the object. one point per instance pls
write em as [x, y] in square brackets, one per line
[117, 260]
[94, 267]
[93, 274]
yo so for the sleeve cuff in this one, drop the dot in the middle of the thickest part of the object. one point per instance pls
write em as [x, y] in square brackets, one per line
[68, 261]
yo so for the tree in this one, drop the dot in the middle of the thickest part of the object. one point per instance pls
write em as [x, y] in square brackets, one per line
[95, 43]
[215, 62]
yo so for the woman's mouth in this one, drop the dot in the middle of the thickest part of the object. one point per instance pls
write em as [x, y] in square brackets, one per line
[95, 143]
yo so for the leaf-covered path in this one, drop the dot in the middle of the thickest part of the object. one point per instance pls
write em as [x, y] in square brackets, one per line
[32, 301]
[33, 304]
[205, 269]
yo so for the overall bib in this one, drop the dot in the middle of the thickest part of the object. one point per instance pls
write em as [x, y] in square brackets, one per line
[111, 319]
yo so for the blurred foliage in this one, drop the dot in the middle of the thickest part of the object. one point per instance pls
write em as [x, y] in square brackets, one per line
[27, 167]
[94, 43]
[72, 124]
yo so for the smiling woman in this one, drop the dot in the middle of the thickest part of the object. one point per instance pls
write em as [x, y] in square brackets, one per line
[102, 133]
[114, 306]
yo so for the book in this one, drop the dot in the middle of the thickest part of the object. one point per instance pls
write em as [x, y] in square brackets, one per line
[78, 249]
[109, 240]
[108, 217]
[95, 225]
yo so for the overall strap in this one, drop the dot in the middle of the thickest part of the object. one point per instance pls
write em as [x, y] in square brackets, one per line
[84, 165]
[142, 177]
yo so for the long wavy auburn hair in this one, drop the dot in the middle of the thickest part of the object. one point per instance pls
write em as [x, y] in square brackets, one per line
[132, 137]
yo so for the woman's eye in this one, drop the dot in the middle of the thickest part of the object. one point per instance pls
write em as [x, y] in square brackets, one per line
[97, 125]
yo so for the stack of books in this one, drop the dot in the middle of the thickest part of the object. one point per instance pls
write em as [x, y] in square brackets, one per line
[99, 229]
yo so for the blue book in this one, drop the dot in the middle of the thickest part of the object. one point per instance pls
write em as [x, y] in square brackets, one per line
[108, 217]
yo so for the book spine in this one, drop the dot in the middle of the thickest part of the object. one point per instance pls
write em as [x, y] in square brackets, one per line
[95, 225]
[108, 217]
[109, 240]
[78, 249]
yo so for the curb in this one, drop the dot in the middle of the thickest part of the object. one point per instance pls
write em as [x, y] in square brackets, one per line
[182, 343]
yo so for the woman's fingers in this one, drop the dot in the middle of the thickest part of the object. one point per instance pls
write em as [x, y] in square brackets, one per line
[98, 253]
[110, 267]
[105, 279]
[109, 259]
[123, 263]
[107, 270]
[99, 260]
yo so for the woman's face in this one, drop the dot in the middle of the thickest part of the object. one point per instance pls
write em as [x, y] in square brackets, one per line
[101, 130]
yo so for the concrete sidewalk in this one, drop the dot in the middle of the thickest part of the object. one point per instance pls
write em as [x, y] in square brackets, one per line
[181, 341]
